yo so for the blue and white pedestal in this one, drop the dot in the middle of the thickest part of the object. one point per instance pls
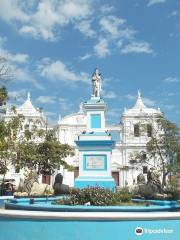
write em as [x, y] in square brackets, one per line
[95, 148]
[106, 182]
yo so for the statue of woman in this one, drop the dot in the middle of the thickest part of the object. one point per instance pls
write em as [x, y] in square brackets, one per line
[96, 83]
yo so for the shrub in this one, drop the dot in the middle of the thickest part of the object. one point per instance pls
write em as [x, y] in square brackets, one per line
[173, 189]
[95, 196]
[123, 195]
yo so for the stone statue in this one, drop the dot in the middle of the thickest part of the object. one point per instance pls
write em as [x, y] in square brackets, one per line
[30, 179]
[60, 188]
[153, 180]
[96, 83]
[151, 188]
[31, 186]
[141, 179]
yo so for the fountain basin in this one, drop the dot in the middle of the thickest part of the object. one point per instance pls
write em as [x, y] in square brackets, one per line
[88, 225]
[44, 204]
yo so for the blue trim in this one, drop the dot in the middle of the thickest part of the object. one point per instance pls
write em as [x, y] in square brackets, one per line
[96, 134]
[95, 143]
[104, 159]
[95, 120]
[95, 100]
[82, 183]
[98, 150]
[45, 204]
[82, 178]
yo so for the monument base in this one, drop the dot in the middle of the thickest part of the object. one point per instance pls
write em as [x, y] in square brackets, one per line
[102, 182]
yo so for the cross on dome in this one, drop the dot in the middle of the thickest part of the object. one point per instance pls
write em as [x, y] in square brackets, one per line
[139, 103]
[28, 96]
[139, 93]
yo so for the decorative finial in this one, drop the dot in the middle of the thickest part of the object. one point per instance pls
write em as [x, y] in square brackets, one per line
[96, 83]
[28, 96]
[139, 93]
[81, 107]
[59, 118]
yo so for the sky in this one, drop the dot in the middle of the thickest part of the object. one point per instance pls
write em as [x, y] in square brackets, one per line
[53, 47]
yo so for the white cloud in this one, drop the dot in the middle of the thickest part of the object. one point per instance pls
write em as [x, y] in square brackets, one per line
[109, 94]
[50, 114]
[16, 71]
[153, 2]
[17, 95]
[111, 24]
[130, 97]
[86, 56]
[24, 75]
[102, 48]
[107, 9]
[149, 102]
[43, 19]
[46, 99]
[127, 33]
[75, 9]
[113, 113]
[12, 11]
[85, 28]
[57, 70]
[171, 80]
[174, 13]
[64, 104]
[137, 47]
[115, 33]
[18, 58]
[2, 41]
[169, 107]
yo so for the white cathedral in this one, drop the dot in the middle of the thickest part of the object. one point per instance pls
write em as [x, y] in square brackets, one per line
[128, 135]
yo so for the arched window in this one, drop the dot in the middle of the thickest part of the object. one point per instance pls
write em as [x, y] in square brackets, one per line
[26, 127]
[149, 130]
[136, 130]
[145, 169]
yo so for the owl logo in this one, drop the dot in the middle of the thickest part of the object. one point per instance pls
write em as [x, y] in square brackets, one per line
[138, 231]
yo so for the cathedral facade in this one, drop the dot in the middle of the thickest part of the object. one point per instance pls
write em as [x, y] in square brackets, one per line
[129, 136]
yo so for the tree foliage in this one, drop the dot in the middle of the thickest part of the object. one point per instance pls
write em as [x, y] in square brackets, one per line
[8, 141]
[21, 151]
[3, 95]
[43, 157]
[163, 148]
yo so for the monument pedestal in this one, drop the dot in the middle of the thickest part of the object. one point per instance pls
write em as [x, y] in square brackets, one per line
[95, 148]
[106, 182]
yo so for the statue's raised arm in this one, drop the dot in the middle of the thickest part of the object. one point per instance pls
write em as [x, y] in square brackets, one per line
[96, 83]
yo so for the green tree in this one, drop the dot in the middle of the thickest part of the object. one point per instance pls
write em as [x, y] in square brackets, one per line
[43, 157]
[163, 148]
[5, 76]
[52, 155]
[8, 137]
[8, 141]
[3, 96]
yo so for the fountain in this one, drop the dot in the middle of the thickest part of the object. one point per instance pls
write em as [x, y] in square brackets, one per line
[37, 218]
